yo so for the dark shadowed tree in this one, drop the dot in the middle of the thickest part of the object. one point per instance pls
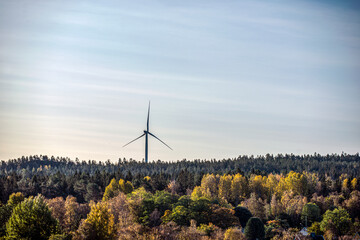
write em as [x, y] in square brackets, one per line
[223, 217]
[243, 214]
[254, 229]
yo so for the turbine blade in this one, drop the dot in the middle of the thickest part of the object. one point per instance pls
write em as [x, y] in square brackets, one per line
[134, 140]
[147, 129]
[159, 140]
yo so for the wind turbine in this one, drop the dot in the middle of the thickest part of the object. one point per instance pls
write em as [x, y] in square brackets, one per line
[146, 133]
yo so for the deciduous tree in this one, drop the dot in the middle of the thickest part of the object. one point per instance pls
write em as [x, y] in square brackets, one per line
[225, 187]
[310, 214]
[99, 224]
[111, 190]
[125, 187]
[209, 183]
[239, 189]
[337, 221]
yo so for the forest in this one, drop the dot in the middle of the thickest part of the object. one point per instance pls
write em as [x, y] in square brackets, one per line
[262, 197]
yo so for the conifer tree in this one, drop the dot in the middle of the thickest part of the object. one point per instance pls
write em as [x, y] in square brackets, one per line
[31, 219]
[255, 229]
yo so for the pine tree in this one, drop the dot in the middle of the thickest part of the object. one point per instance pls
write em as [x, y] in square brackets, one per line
[243, 214]
[31, 219]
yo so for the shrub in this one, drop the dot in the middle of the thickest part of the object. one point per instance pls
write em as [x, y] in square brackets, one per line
[207, 229]
[233, 234]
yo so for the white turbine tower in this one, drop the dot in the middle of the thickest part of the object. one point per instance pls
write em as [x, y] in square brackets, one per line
[146, 133]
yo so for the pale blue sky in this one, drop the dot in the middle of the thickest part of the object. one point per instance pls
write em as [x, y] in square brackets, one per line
[225, 78]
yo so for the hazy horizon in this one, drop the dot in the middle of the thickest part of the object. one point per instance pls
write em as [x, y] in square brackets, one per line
[224, 79]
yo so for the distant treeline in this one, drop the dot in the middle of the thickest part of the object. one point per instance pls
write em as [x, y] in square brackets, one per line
[332, 165]
[86, 180]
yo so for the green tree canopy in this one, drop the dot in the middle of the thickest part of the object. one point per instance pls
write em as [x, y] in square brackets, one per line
[338, 221]
[164, 200]
[15, 199]
[181, 215]
[200, 210]
[310, 213]
[5, 212]
[184, 201]
[31, 219]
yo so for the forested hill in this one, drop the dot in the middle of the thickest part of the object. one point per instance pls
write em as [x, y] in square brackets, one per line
[86, 180]
[131, 200]
[332, 165]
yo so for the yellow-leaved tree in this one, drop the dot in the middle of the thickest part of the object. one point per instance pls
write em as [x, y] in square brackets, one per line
[239, 189]
[271, 184]
[297, 183]
[354, 184]
[225, 187]
[257, 185]
[233, 234]
[209, 183]
[125, 187]
[345, 186]
[281, 186]
[99, 224]
[111, 190]
[197, 193]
